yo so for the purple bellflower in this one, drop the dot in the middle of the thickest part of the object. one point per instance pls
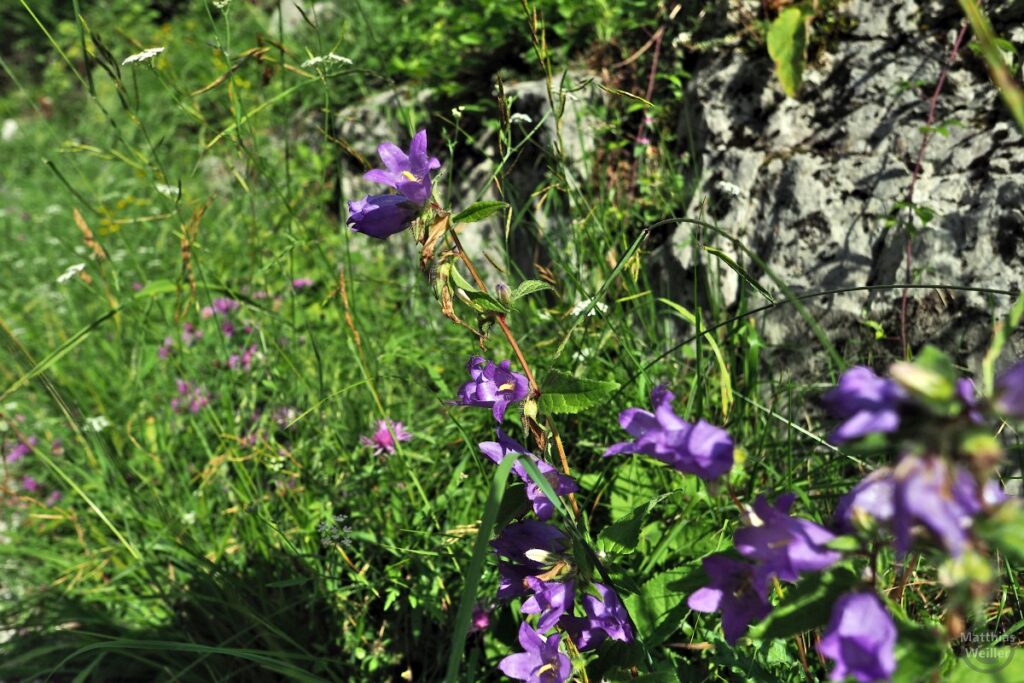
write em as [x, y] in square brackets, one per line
[381, 440]
[550, 600]
[606, 617]
[701, 448]
[562, 484]
[784, 546]
[865, 402]
[860, 638]
[407, 173]
[734, 592]
[380, 215]
[532, 549]
[492, 386]
[541, 662]
[1009, 399]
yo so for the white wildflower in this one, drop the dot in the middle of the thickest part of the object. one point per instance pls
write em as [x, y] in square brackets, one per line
[520, 117]
[583, 305]
[457, 112]
[221, 4]
[144, 56]
[167, 190]
[8, 130]
[98, 423]
[328, 59]
[189, 518]
[70, 273]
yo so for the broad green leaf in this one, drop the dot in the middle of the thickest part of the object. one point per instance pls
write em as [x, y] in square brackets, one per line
[563, 393]
[660, 606]
[989, 665]
[919, 648]
[478, 212]
[624, 535]
[805, 606]
[482, 302]
[787, 45]
[529, 287]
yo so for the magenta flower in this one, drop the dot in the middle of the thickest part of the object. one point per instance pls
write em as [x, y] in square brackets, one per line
[541, 662]
[784, 546]
[732, 591]
[381, 215]
[21, 449]
[302, 283]
[243, 361]
[381, 440]
[865, 402]
[481, 619]
[190, 334]
[190, 398]
[860, 638]
[407, 173]
[29, 484]
[492, 386]
[562, 484]
[166, 348]
[701, 448]
[53, 498]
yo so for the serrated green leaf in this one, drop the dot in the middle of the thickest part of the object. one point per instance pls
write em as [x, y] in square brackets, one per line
[482, 302]
[787, 44]
[529, 287]
[805, 606]
[478, 212]
[563, 393]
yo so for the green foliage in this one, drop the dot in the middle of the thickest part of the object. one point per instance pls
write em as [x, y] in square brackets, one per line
[564, 393]
[787, 46]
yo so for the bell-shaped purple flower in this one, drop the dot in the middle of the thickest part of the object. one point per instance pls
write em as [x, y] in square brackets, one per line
[784, 546]
[927, 493]
[869, 502]
[409, 173]
[541, 662]
[733, 592]
[701, 448]
[550, 600]
[865, 402]
[561, 483]
[860, 638]
[1009, 399]
[605, 617]
[531, 543]
[381, 215]
[492, 386]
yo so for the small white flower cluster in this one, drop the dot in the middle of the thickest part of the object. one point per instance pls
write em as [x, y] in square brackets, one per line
[520, 117]
[221, 4]
[98, 423]
[71, 273]
[328, 59]
[581, 306]
[144, 56]
[167, 190]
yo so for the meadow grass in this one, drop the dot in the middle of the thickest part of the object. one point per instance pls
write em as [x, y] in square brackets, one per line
[255, 538]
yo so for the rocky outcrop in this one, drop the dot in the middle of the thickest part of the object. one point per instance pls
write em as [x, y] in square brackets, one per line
[812, 185]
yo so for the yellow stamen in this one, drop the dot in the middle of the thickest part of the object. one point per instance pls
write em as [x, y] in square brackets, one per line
[410, 176]
[508, 386]
[546, 667]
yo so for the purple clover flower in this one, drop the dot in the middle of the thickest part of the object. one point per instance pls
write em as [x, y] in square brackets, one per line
[381, 215]
[407, 173]
[381, 440]
[606, 617]
[550, 600]
[302, 283]
[21, 449]
[190, 334]
[192, 399]
[1009, 399]
[734, 592]
[166, 349]
[541, 662]
[860, 638]
[29, 484]
[784, 546]
[243, 361]
[561, 483]
[865, 402]
[492, 386]
[53, 498]
[701, 448]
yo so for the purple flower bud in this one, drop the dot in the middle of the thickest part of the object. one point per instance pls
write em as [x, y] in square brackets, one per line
[701, 448]
[860, 638]
[503, 293]
[732, 591]
[865, 402]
